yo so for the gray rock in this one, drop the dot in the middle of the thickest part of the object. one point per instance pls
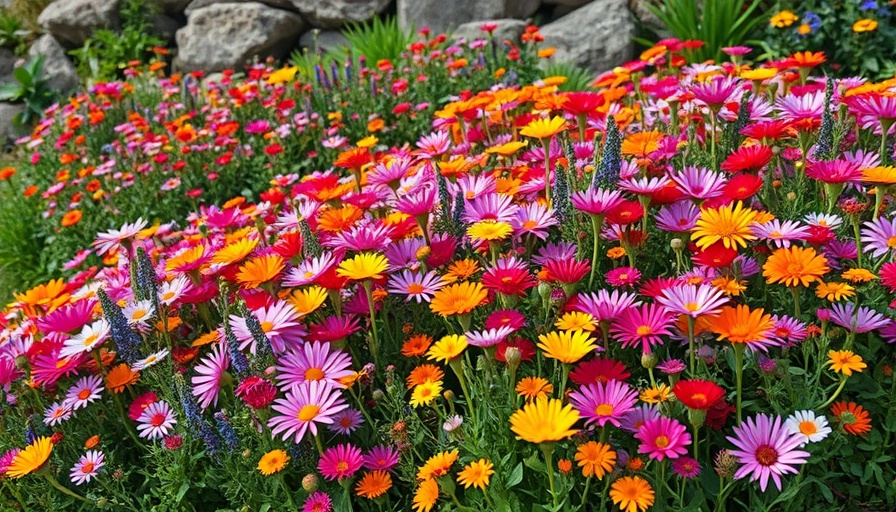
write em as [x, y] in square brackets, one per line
[326, 40]
[441, 16]
[507, 29]
[335, 13]
[520, 8]
[72, 21]
[8, 131]
[199, 4]
[568, 3]
[8, 61]
[648, 19]
[227, 36]
[58, 69]
[596, 37]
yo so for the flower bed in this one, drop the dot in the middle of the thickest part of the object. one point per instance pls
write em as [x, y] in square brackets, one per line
[694, 313]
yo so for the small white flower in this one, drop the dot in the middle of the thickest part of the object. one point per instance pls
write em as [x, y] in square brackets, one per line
[808, 427]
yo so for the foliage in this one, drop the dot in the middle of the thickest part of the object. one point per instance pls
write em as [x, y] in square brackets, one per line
[433, 290]
[577, 78]
[13, 34]
[715, 23]
[855, 35]
[107, 53]
[27, 11]
[31, 89]
[378, 39]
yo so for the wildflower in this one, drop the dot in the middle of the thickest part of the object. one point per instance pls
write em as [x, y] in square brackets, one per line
[741, 325]
[57, 413]
[632, 494]
[90, 337]
[340, 461]
[566, 346]
[656, 394]
[729, 225]
[864, 25]
[698, 394]
[304, 407]
[272, 462]
[87, 467]
[373, 484]
[854, 419]
[595, 459]
[313, 361]
[318, 502]
[604, 403]
[532, 388]
[425, 393]
[30, 459]
[363, 266]
[643, 326]
[845, 362]
[834, 291]
[476, 474]
[693, 300]
[209, 373]
[381, 458]
[437, 465]
[598, 370]
[448, 348]
[686, 467]
[458, 299]
[156, 420]
[766, 449]
[85, 391]
[346, 421]
[807, 426]
[663, 438]
[426, 495]
[544, 420]
[120, 377]
[544, 128]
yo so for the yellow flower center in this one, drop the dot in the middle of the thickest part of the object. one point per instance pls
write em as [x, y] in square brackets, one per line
[140, 313]
[167, 296]
[314, 374]
[604, 410]
[644, 330]
[692, 306]
[891, 242]
[794, 268]
[661, 442]
[308, 412]
[342, 466]
[90, 339]
[266, 326]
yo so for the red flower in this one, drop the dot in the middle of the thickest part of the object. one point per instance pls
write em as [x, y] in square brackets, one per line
[258, 393]
[774, 130]
[599, 370]
[749, 158]
[888, 276]
[628, 212]
[698, 394]
[714, 256]
[742, 186]
[526, 347]
[582, 102]
[717, 415]
[135, 410]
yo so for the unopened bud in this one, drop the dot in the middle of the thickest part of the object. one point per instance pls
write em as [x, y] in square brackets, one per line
[725, 464]
[310, 482]
[513, 356]
[449, 395]
[677, 244]
[696, 417]
[378, 395]
[648, 360]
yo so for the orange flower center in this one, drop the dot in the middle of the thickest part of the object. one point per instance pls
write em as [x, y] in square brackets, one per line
[604, 410]
[314, 374]
[87, 468]
[891, 242]
[415, 288]
[699, 399]
[83, 394]
[308, 412]
[661, 442]
[808, 428]
[342, 466]
[90, 339]
[267, 326]
[644, 330]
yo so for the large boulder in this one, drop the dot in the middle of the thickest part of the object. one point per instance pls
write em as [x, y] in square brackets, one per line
[323, 40]
[58, 69]
[596, 37]
[335, 13]
[199, 4]
[505, 29]
[227, 36]
[440, 17]
[8, 131]
[8, 61]
[73, 21]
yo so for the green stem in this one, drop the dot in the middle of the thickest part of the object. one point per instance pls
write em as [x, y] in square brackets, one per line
[548, 450]
[739, 349]
[546, 144]
[126, 420]
[320, 445]
[292, 504]
[691, 349]
[794, 291]
[65, 490]
[374, 341]
[829, 401]
[457, 365]
[596, 222]
[712, 123]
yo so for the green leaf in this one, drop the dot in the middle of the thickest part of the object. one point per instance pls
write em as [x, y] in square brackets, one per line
[23, 76]
[184, 487]
[516, 476]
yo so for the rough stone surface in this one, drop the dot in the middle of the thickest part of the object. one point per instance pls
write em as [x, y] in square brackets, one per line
[507, 29]
[227, 36]
[72, 21]
[58, 69]
[165, 27]
[596, 37]
[326, 40]
[441, 16]
[7, 65]
[568, 3]
[335, 13]
[642, 13]
[520, 8]
[8, 132]
[199, 4]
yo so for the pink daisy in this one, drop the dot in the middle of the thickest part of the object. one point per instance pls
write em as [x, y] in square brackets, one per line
[382, 458]
[643, 326]
[693, 300]
[57, 413]
[623, 276]
[340, 461]
[87, 467]
[533, 219]
[83, 392]
[318, 502]
[415, 285]
[280, 324]
[304, 406]
[314, 361]
[347, 421]
[766, 449]
[156, 420]
[604, 403]
[663, 438]
[207, 381]
[686, 467]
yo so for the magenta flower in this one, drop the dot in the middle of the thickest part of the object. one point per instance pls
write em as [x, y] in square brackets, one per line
[497, 207]
[419, 202]
[879, 236]
[663, 438]
[310, 270]
[699, 182]
[766, 449]
[87, 467]
[603, 403]
[318, 502]
[686, 467]
[643, 326]
[207, 381]
[383, 458]
[157, 419]
[677, 217]
[623, 276]
[506, 317]
[606, 306]
[314, 361]
[280, 323]
[347, 421]
[596, 201]
[334, 328]
[794, 108]
[304, 407]
[834, 171]
[340, 461]
[715, 92]
[68, 318]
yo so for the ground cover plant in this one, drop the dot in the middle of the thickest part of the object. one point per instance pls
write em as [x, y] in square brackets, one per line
[158, 146]
[669, 292]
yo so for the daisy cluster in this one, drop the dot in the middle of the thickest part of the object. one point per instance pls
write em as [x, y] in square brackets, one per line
[677, 280]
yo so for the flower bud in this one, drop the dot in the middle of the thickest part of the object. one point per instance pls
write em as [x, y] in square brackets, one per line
[513, 356]
[310, 482]
[677, 244]
[449, 395]
[378, 395]
[725, 464]
[648, 360]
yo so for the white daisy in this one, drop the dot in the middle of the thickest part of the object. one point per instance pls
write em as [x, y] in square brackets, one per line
[91, 336]
[807, 426]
